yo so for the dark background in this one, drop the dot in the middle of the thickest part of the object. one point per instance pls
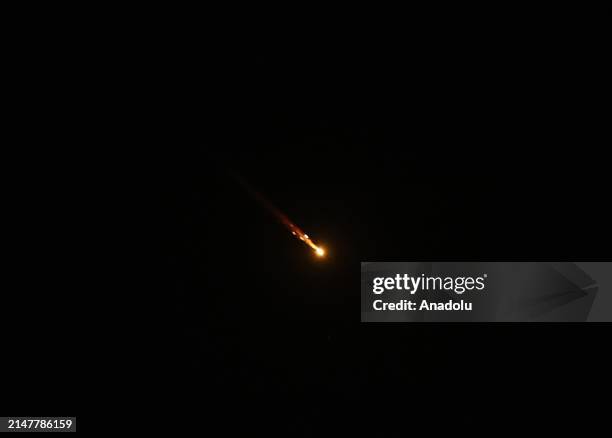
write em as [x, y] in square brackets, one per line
[449, 148]
[464, 159]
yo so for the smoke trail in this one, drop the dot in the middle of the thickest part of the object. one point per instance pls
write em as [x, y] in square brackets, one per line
[279, 215]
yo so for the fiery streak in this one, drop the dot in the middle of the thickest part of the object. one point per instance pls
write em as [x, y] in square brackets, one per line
[304, 238]
[281, 217]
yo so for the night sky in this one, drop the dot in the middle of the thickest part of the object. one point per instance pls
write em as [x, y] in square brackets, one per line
[245, 329]
[256, 332]
[184, 306]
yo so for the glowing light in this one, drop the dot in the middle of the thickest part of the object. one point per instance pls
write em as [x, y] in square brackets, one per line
[280, 216]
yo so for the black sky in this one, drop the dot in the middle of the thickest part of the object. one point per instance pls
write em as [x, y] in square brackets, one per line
[445, 148]
[265, 328]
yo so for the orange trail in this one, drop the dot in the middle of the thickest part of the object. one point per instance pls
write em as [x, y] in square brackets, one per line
[280, 216]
